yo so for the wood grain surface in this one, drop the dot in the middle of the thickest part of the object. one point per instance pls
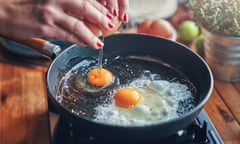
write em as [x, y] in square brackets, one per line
[23, 105]
[223, 109]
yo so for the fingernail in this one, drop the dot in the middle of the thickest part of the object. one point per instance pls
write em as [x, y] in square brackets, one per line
[99, 44]
[109, 16]
[115, 13]
[125, 17]
[110, 25]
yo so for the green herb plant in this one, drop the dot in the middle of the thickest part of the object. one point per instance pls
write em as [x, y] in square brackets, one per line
[218, 16]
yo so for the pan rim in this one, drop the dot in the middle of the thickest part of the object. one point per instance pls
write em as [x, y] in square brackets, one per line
[198, 107]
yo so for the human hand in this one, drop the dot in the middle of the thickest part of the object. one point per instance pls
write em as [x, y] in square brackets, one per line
[50, 18]
[117, 8]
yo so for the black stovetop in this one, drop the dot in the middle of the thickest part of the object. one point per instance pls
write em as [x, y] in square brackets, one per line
[201, 131]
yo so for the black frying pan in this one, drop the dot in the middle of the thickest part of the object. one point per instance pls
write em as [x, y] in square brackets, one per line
[180, 57]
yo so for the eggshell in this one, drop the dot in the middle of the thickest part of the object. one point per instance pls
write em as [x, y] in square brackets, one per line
[117, 23]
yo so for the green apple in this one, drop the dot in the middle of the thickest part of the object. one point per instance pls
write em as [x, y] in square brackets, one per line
[199, 45]
[188, 30]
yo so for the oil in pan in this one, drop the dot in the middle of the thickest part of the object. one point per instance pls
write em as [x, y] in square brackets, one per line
[127, 70]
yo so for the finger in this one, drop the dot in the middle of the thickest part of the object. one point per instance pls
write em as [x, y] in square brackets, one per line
[70, 37]
[103, 2]
[60, 33]
[81, 8]
[79, 31]
[123, 7]
[92, 14]
[112, 6]
[99, 6]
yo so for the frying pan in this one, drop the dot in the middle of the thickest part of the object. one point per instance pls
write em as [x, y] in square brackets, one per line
[175, 54]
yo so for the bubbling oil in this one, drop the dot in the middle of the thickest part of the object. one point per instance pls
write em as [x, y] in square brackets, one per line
[81, 98]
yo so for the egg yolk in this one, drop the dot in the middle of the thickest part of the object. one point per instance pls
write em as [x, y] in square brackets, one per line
[127, 97]
[99, 77]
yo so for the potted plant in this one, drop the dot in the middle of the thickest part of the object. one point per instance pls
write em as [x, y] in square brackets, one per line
[220, 25]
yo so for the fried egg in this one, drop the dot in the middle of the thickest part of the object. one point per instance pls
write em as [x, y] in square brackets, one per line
[156, 101]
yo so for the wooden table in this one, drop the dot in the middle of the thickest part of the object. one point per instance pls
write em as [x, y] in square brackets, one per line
[23, 105]
[223, 109]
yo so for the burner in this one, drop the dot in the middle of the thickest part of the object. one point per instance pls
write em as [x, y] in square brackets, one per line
[201, 131]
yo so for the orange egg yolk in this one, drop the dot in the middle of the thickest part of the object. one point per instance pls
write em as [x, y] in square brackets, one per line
[127, 97]
[99, 77]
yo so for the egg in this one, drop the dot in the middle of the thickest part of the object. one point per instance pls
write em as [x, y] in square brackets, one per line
[117, 24]
[144, 26]
[99, 77]
[157, 27]
[161, 27]
[143, 102]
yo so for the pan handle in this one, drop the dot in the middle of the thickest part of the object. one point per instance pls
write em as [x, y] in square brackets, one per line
[46, 48]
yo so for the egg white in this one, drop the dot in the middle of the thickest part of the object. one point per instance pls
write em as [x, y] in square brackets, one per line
[160, 100]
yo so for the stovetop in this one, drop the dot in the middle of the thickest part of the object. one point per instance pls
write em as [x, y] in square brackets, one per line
[201, 131]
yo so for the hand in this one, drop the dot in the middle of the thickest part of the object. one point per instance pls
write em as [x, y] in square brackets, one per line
[117, 8]
[51, 18]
